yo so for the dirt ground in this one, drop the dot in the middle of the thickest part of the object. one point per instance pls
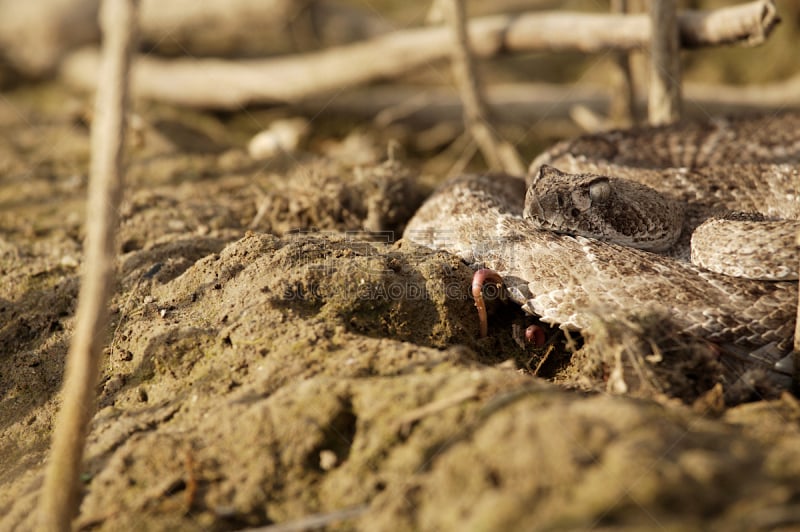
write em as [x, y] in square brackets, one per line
[270, 361]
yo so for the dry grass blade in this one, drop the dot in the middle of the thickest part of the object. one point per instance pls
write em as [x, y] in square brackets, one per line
[313, 522]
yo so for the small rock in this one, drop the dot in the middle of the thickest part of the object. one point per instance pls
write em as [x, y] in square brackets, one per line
[327, 459]
[282, 136]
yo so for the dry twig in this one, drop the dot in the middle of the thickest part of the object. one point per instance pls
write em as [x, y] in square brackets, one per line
[664, 101]
[548, 104]
[623, 103]
[34, 36]
[230, 84]
[59, 499]
[499, 153]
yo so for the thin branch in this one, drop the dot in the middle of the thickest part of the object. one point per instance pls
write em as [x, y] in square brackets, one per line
[499, 154]
[727, 99]
[34, 36]
[519, 103]
[747, 24]
[428, 106]
[230, 84]
[664, 100]
[59, 499]
[623, 105]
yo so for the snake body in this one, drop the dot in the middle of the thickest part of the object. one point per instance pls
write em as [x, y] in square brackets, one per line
[739, 164]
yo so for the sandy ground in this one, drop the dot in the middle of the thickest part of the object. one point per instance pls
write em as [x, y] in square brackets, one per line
[266, 366]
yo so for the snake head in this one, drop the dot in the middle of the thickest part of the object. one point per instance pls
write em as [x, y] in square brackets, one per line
[602, 207]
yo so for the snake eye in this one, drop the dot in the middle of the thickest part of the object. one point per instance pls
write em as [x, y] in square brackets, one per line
[574, 212]
[600, 191]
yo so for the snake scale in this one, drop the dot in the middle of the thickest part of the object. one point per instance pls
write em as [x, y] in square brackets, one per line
[743, 164]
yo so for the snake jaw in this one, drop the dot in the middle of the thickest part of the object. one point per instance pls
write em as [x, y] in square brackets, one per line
[604, 208]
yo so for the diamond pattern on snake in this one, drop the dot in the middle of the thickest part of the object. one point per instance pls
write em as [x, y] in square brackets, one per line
[611, 223]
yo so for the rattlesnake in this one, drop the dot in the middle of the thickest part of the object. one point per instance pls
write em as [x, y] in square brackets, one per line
[736, 164]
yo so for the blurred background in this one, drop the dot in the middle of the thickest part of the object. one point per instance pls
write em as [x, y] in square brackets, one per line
[48, 53]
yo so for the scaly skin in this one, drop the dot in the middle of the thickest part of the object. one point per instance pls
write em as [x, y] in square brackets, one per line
[569, 280]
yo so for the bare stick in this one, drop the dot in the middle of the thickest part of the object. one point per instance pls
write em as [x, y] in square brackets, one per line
[727, 99]
[520, 103]
[230, 84]
[476, 113]
[34, 36]
[664, 103]
[59, 499]
[428, 106]
[498, 152]
[748, 24]
[623, 103]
